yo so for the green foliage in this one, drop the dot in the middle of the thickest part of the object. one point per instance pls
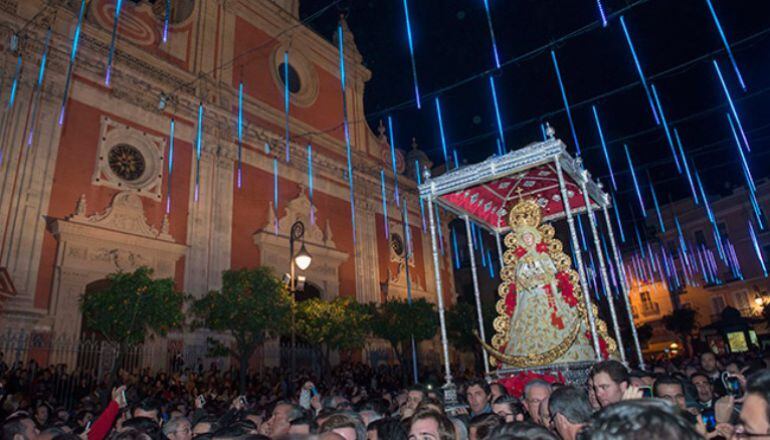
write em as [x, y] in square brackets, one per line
[131, 305]
[644, 332]
[396, 322]
[252, 304]
[462, 321]
[341, 324]
[682, 322]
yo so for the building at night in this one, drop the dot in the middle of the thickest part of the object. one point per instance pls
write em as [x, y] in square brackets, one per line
[742, 286]
[89, 197]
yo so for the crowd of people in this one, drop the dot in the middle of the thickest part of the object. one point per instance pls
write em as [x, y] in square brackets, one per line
[702, 397]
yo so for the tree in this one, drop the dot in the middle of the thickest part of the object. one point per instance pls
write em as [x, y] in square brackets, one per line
[682, 323]
[462, 326]
[341, 324]
[131, 306]
[397, 322]
[252, 304]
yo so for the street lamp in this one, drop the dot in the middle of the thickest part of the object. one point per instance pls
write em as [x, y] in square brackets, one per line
[302, 260]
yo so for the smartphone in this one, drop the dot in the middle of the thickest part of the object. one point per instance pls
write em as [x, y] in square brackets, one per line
[709, 420]
[733, 386]
[88, 426]
[314, 391]
[646, 391]
[243, 401]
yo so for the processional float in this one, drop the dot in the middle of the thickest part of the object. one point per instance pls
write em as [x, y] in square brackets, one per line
[546, 320]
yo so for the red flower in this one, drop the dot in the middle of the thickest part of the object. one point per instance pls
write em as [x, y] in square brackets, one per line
[520, 252]
[567, 290]
[542, 247]
[510, 300]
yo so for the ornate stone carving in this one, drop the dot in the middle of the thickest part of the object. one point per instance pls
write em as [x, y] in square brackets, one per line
[299, 209]
[125, 214]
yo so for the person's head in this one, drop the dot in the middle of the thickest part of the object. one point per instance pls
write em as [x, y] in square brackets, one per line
[670, 389]
[178, 428]
[535, 391]
[703, 386]
[497, 390]
[42, 413]
[19, 427]
[386, 429]
[143, 424]
[430, 425]
[509, 408]
[149, 408]
[414, 396]
[610, 380]
[477, 394]
[203, 426]
[283, 414]
[592, 394]
[522, 431]
[53, 433]
[643, 419]
[755, 414]
[482, 425]
[347, 424]
[708, 362]
[570, 410]
[302, 426]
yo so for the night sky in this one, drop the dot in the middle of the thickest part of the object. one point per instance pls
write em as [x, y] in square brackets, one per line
[675, 41]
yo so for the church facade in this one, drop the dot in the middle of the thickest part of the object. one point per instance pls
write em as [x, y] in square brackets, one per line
[102, 192]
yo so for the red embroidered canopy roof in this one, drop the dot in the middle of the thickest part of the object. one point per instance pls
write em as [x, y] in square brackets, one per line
[486, 191]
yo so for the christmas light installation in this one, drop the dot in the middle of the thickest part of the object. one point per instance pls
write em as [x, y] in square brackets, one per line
[639, 69]
[240, 134]
[744, 163]
[166, 20]
[37, 91]
[617, 219]
[287, 94]
[500, 151]
[411, 54]
[604, 146]
[441, 132]
[393, 160]
[15, 83]
[662, 115]
[457, 161]
[747, 174]
[497, 110]
[170, 164]
[727, 45]
[310, 182]
[73, 56]
[636, 182]
[408, 230]
[731, 104]
[455, 249]
[583, 244]
[544, 132]
[566, 102]
[346, 127]
[655, 202]
[601, 12]
[111, 54]
[275, 195]
[757, 249]
[198, 146]
[705, 199]
[419, 182]
[384, 195]
[491, 265]
[492, 35]
[686, 165]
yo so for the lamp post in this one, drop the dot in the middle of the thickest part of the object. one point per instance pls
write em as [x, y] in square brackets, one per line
[302, 260]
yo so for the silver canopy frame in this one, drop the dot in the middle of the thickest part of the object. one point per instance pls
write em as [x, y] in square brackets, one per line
[551, 151]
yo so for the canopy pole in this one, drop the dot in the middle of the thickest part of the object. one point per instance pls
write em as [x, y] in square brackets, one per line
[623, 286]
[603, 268]
[476, 292]
[450, 392]
[579, 257]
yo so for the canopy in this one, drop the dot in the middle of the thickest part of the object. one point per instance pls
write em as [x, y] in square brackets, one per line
[486, 190]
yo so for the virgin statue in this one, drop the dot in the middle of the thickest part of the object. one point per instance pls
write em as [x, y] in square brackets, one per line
[541, 313]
